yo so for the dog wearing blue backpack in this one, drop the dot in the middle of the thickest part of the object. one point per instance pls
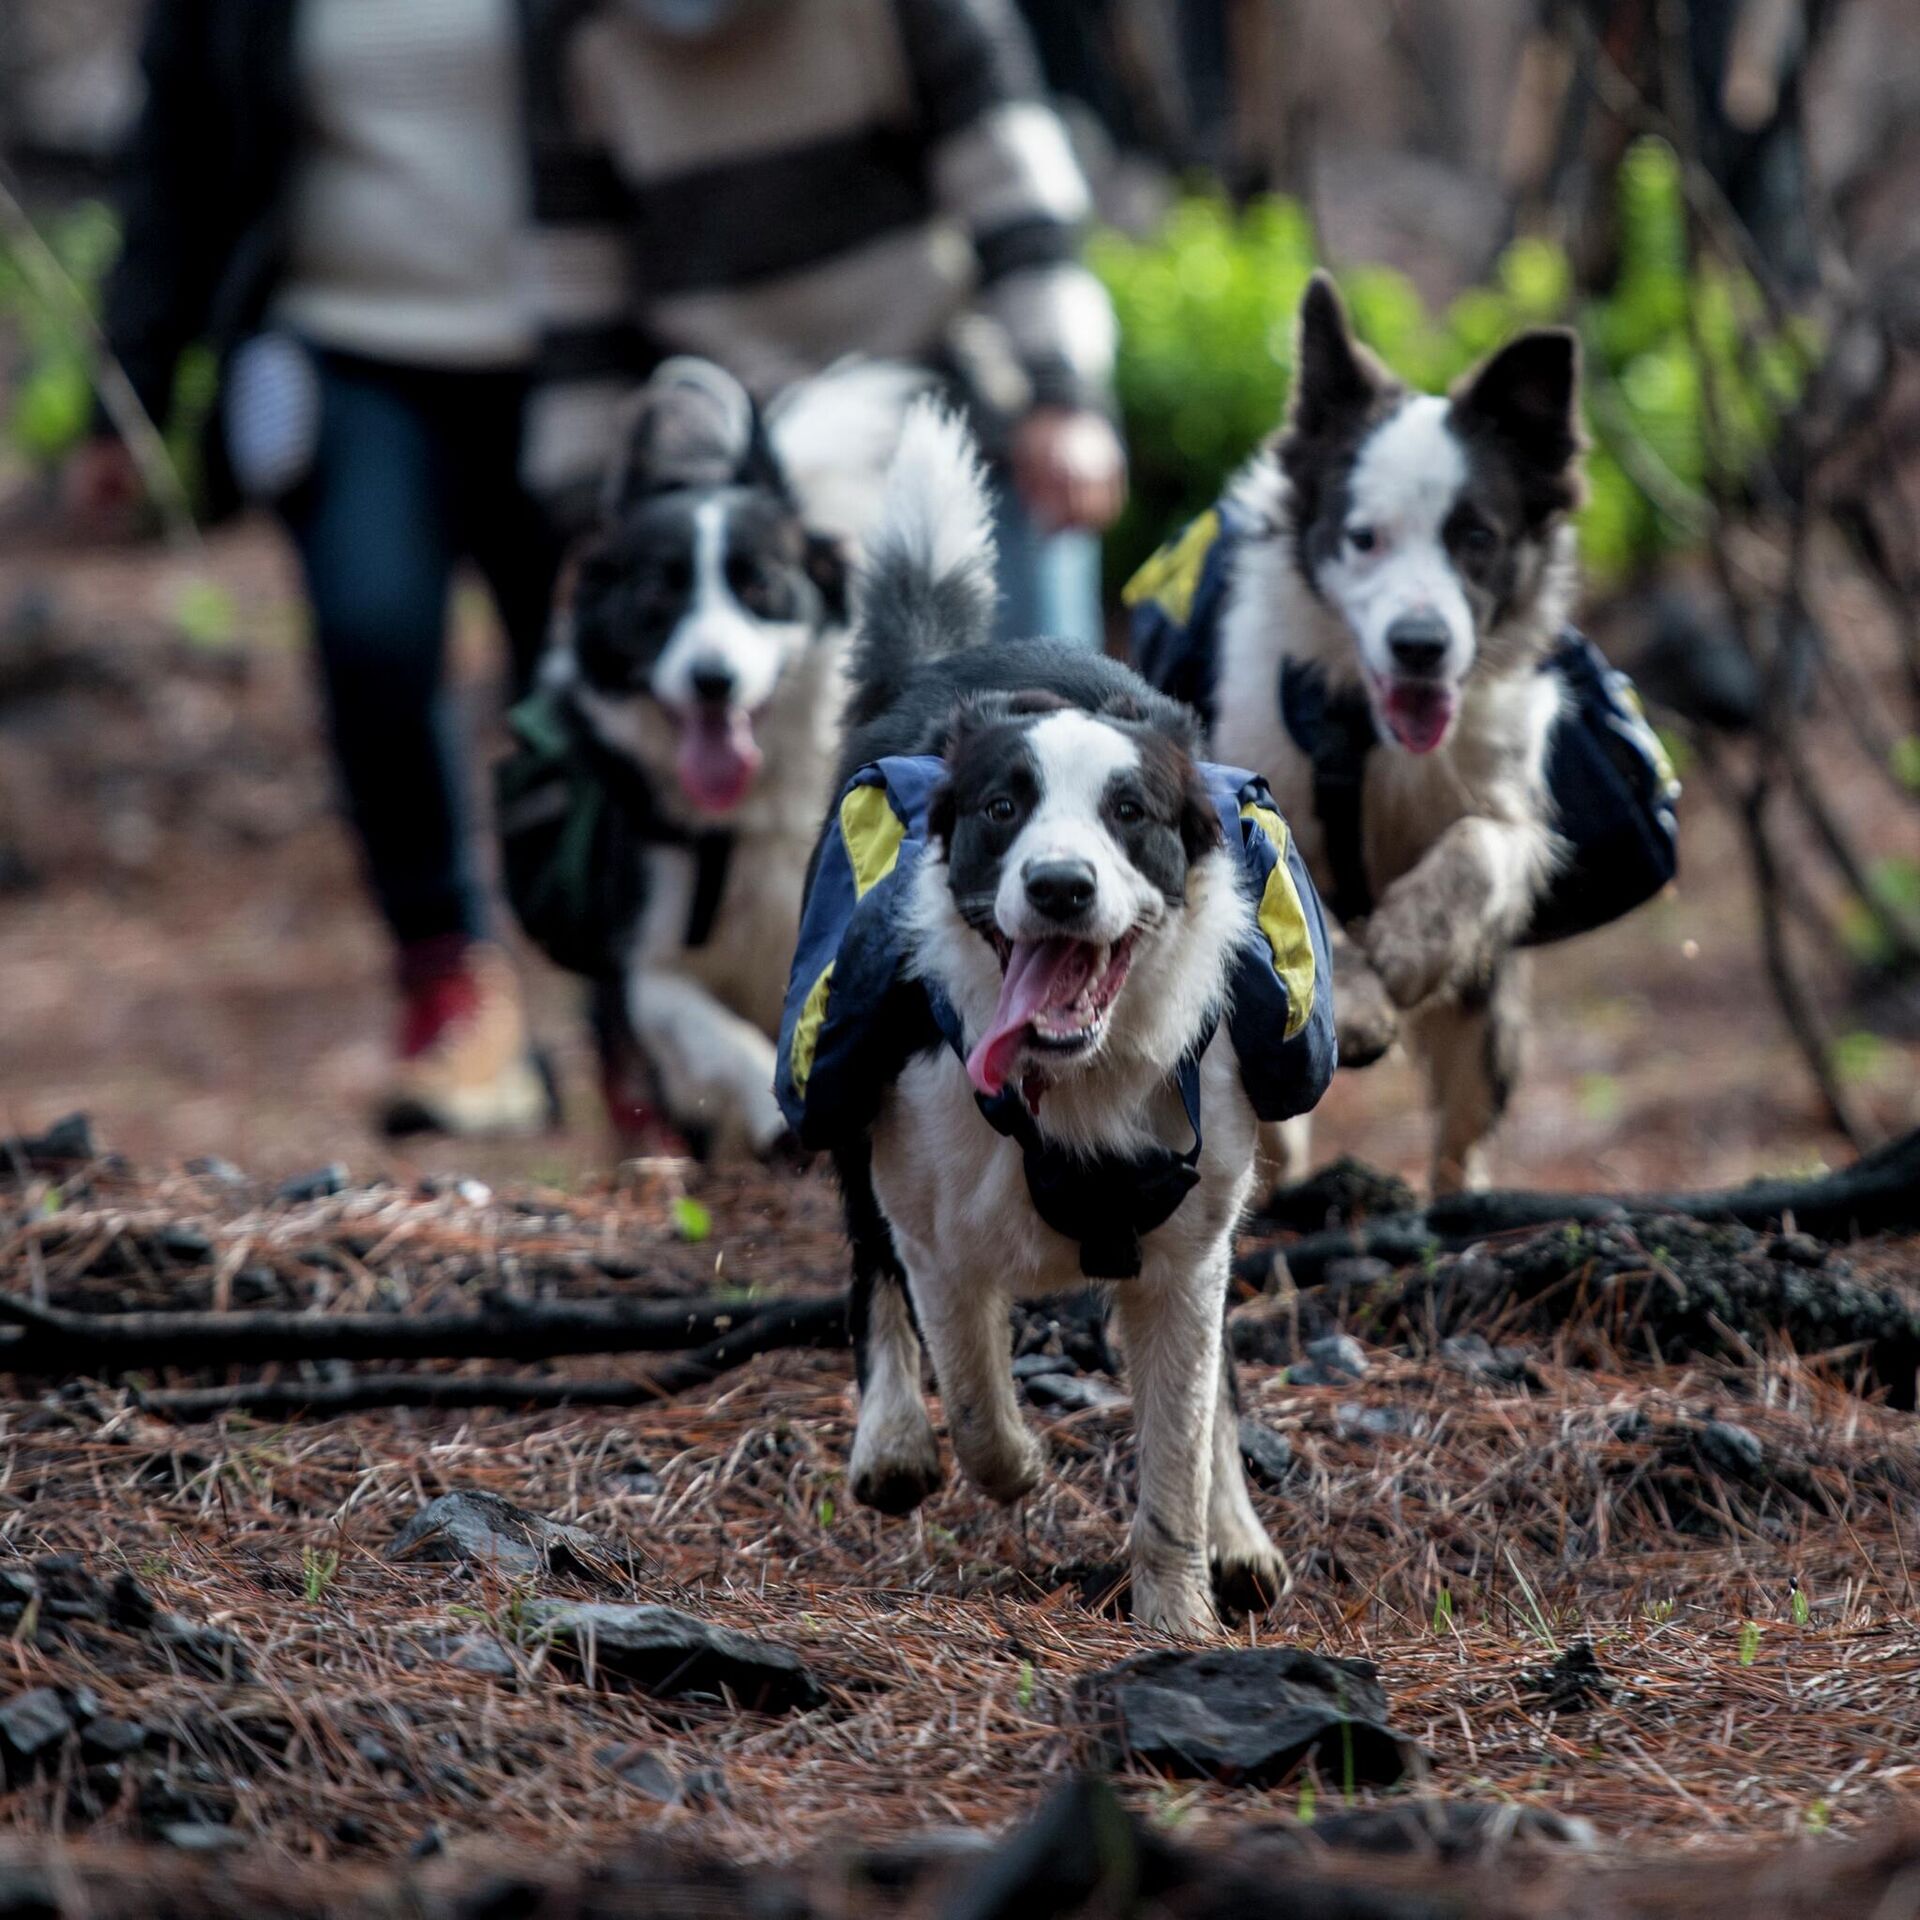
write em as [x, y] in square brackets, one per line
[1054, 972]
[1376, 619]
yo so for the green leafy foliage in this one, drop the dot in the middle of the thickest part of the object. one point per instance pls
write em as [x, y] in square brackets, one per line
[50, 407]
[1206, 312]
[51, 404]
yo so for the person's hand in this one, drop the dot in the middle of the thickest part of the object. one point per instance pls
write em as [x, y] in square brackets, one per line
[1069, 468]
[100, 488]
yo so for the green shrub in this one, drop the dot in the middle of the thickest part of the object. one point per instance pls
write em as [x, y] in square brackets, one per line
[1206, 312]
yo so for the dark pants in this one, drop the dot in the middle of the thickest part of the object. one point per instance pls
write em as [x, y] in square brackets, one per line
[416, 470]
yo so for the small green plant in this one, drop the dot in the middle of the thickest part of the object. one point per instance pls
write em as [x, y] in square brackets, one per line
[1023, 1687]
[1659, 1612]
[317, 1568]
[1304, 1807]
[1749, 1642]
[692, 1221]
[1819, 1816]
[1798, 1606]
[1443, 1611]
[825, 1511]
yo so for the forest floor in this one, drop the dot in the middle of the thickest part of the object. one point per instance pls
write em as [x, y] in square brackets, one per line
[185, 955]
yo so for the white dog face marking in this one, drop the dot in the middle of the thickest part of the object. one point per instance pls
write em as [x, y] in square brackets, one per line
[1068, 840]
[718, 650]
[1076, 760]
[1391, 577]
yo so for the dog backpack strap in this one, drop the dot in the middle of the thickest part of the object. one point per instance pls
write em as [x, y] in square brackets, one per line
[1280, 989]
[1614, 799]
[1336, 733]
[1105, 1203]
[851, 1018]
[1174, 604]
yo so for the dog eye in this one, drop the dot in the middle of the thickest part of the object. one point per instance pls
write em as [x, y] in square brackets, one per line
[999, 809]
[1362, 539]
[1129, 813]
[1477, 537]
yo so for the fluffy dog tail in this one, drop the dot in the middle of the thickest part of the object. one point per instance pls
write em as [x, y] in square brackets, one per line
[927, 588]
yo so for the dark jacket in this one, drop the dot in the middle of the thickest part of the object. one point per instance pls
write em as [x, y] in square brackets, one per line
[202, 185]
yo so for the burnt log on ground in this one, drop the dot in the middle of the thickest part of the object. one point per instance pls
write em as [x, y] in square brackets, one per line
[797, 1323]
[1878, 1193]
[53, 1341]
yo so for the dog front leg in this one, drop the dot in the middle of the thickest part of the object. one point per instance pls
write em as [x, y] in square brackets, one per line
[1471, 1048]
[1248, 1573]
[1442, 924]
[715, 1070]
[1170, 1326]
[963, 1317]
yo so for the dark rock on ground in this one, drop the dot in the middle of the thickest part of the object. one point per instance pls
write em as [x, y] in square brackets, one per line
[110, 1739]
[1338, 1195]
[1469, 1353]
[490, 1531]
[1070, 1392]
[649, 1771]
[34, 1721]
[1334, 1360]
[67, 1143]
[1268, 1455]
[674, 1656]
[1027, 1366]
[1071, 1325]
[1248, 1716]
[1353, 1421]
[319, 1184]
[471, 1652]
[1575, 1683]
[1442, 1829]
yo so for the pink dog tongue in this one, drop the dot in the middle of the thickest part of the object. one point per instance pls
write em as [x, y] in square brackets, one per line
[718, 757]
[1040, 974]
[1419, 716]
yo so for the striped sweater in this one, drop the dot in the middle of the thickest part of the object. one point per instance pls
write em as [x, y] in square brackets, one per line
[816, 178]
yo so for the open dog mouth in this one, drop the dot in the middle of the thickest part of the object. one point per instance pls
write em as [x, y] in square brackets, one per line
[718, 755]
[1418, 713]
[1055, 996]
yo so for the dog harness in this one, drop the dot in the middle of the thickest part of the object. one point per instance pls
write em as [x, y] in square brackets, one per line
[1613, 788]
[855, 1014]
[574, 821]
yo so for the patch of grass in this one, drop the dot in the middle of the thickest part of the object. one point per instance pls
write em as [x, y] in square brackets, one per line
[317, 1568]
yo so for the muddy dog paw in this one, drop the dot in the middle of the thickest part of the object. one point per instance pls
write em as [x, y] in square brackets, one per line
[1365, 1019]
[1409, 943]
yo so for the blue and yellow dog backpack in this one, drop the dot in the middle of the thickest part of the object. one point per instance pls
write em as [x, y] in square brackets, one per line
[854, 1016]
[1613, 787]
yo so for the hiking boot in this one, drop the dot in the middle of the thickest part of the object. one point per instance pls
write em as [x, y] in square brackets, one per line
[466, 1064]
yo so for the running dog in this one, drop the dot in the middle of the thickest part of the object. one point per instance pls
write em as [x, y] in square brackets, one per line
[1053, 973]
[695, 689]
[1392, 580]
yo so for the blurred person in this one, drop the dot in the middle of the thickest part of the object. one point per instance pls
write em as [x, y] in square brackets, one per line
[334, 193]
[774, 184]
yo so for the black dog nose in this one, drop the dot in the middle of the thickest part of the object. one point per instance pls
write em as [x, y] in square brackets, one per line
[1418, 642]
[712, 683]
[1061, 889]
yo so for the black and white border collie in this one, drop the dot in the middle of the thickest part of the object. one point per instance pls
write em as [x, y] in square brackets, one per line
[1078, 910]
[703, 639]
[1418, 547]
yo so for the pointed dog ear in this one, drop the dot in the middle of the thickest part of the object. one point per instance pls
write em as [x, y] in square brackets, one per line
[1334, 377]
[829, 565]
[692, 425]
[1527, 397]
